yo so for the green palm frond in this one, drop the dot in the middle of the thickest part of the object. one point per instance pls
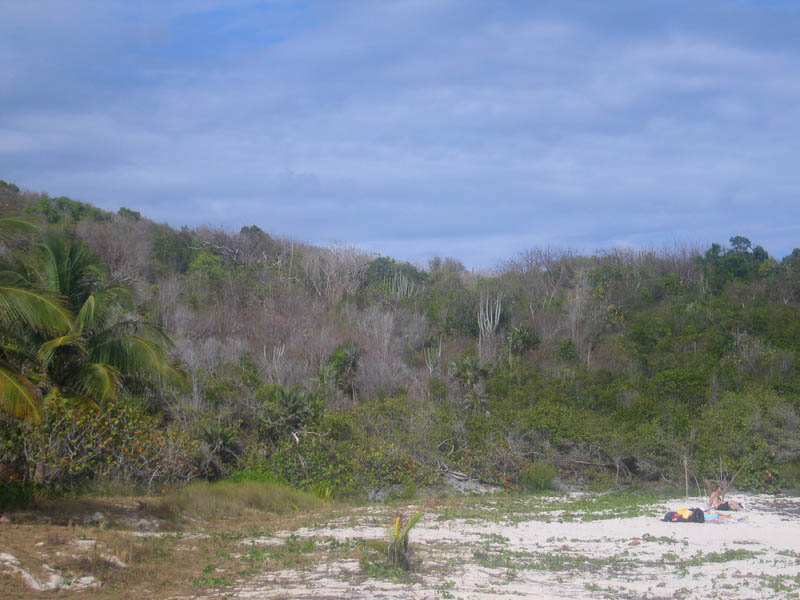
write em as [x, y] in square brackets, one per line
[15, 350]
[86, 315]
[74, 334]
[99, 381]
[411, 522]
[176, 376]
[132, 354]
[117, 296]
[48, 349]
[71, 269]
[142, 357]
[132, 328]
[36, 308]
[105, 307]
[10, 226]
[18, 396]
[53, 262]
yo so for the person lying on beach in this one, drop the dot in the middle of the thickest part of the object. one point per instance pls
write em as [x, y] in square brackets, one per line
[712, 516]
[698, 515]
[715, 501]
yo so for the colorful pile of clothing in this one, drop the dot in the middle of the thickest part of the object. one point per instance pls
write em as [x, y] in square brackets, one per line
[686, 515]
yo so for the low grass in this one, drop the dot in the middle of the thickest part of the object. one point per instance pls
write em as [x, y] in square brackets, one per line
[781, 583]
[223, 536]
[513, 508]
[223, 499]
[552, 561]
[127, 565]
[197, 542]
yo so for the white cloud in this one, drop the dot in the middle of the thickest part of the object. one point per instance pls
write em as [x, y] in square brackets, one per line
[424, 128]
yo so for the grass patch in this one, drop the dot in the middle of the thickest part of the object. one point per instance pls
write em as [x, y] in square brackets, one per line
[552, 562]
[720, 557]
[781, 583]
[625, 504]
[660, 539]
[512, 508]
[233, 499]
[700, 558]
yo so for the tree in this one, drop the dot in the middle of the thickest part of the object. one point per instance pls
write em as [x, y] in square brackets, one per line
[72, 335]
[740, 244]
[519, 339]
[335, 272]
[740, 262]
[342, 366]
[27, 311]
[469, 372]
[107, 342]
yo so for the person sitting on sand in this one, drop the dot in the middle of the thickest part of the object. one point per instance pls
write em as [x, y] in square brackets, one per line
[715, 501]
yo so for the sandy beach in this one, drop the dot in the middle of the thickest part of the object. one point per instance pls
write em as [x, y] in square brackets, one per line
[634, 557]
[476, 548]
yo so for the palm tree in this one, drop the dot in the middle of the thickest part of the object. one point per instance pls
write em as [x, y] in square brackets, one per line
[107, 342]
[27, 311]
[98, 346]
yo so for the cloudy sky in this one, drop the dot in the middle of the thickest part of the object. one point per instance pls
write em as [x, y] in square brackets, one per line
[411, 128]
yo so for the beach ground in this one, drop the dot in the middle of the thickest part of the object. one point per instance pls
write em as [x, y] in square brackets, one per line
[562, 546]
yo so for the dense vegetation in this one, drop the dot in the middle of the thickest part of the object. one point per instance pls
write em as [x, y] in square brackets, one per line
[134, 353]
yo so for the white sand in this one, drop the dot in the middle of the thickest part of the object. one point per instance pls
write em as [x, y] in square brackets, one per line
[639, 557]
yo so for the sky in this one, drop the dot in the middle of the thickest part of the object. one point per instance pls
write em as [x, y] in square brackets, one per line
[473, 129]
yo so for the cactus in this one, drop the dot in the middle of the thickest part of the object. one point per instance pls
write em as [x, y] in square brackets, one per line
[401, 286]
[433, 356]
[488, 318]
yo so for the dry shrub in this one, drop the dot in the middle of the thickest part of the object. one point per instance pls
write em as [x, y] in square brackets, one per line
[124, 246]
[334, 272]
[610, 354]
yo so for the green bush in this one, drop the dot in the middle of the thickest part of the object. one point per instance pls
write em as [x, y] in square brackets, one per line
[262, 474]
[567, 351]
[16, 494]
[349, 467]
[408, 492]
[789, 475]
[321, 490]
[72, 446]
[601, 481]
[726, 446]
[538, 477]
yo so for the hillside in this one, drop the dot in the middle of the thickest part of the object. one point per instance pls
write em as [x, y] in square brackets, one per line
[344, 372]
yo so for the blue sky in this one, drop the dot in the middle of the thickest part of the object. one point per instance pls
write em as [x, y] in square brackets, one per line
[415, 128]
